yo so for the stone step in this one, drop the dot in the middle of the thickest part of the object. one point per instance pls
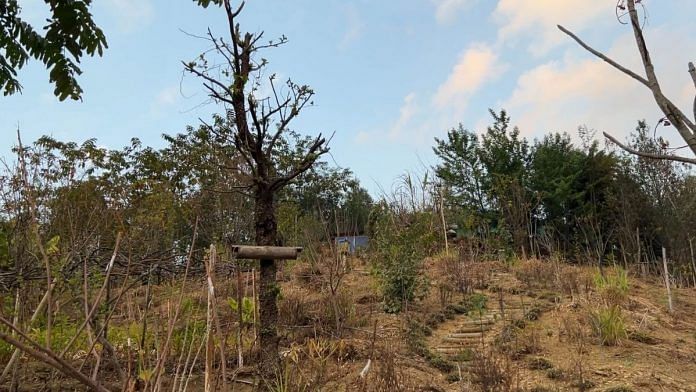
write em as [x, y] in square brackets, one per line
[463, 340]
[465, 335]
[476, 323]
[453, 350]
[474, 328]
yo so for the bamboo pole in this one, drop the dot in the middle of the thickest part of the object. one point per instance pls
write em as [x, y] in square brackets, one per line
[693, 260]
[240, 314]
[669, 291]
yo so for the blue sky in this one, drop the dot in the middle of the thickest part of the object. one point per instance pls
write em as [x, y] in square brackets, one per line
[389, 75]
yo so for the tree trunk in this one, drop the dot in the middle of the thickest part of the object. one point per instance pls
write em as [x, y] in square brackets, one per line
[266, 233]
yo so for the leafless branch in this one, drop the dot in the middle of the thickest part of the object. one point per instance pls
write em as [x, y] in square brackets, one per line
[648, 154]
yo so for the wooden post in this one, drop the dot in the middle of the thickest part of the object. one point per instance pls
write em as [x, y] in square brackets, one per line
[640, 261]
[240, 313]
[265, 252]
[442, 217]
[209, 340]
[669, 291]
[693, 260]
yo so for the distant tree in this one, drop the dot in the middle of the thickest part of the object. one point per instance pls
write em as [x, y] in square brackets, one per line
[259, 125]
[505, 155]
[555, 167]
[70, 33]
[460, 168]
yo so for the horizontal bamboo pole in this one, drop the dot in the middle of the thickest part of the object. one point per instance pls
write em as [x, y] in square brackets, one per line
[265, 252]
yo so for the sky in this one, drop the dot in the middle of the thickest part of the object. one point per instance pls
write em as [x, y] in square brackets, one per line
[389, 75]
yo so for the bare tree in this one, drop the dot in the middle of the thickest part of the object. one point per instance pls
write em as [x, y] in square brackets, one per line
[673, 115]
[259, 125]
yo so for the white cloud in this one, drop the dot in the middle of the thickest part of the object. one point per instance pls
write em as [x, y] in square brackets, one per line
[577, 90]
[446, 11]
[401, 130]
[537, 19]
[131, 15]
[406, 113]
[165, 100]
[476, 66]
[354, 26]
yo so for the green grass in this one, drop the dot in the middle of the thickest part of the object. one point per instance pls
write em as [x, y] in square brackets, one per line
[609, 325]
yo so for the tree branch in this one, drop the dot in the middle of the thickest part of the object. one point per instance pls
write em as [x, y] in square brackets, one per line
[643, 154]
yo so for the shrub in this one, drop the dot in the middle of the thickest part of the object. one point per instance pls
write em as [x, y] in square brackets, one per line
[540, 363]
[608, 325]
[555, 374]
[293, 308]
[534, 273]
[398, 249]
[613, 286]
[494, 372]
[247, 308]
[533, 314]
[570, 281]
[338, 311]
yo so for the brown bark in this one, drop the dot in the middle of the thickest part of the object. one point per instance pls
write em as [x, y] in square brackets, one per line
[266, 233]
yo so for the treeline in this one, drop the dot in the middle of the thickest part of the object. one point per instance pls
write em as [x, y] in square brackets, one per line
[577, 201]
[73, 199]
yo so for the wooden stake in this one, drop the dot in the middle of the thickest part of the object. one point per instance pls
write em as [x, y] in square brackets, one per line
[640, 261]
[444, 224]
[253, 296]
[693, 260]
[669, 291]
[240, 314]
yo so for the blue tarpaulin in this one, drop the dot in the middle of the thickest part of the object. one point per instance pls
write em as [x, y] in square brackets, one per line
[354, 242]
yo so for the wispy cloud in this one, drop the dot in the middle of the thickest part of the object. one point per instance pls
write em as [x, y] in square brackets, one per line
[406, 113]
[536, 20]
[131, 15]
[165, 100]
[398, 130]
[446, 11]
[475, 67]
[355, 26]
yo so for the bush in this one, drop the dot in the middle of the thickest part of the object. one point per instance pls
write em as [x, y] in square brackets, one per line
[293, 309]
[399, 246]
[534, 273]
[338, 311]
[555, 374]
[540, 363]
[608, 325]
[494, 371]
[570, 281]
[613, 286]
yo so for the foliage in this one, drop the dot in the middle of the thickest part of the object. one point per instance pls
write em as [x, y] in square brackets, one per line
[613, 285]
[70, 33]
[247, 308]
[608, 325]
[397, 252]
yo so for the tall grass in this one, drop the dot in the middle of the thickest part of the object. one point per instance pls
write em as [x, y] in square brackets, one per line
[608, 324]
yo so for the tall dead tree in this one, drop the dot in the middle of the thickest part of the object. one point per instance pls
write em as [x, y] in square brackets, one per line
[259, 125]
[673, 115]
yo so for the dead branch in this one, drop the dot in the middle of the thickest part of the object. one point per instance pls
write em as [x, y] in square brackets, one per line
[48, 357]
[644, 154]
